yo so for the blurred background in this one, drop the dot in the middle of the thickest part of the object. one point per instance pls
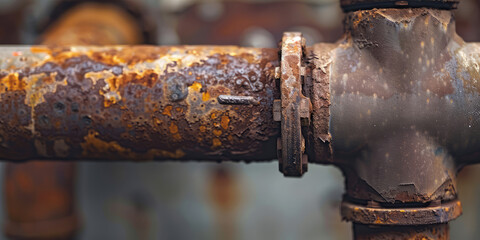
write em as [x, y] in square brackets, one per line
[208, 200]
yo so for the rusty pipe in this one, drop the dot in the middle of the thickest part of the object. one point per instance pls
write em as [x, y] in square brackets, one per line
[428, 232]
[137, 103]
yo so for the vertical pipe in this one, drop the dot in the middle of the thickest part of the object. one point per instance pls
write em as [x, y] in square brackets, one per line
[39, 198]
[423, 232]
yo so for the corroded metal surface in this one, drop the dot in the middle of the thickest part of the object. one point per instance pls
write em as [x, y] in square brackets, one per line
[404, 104]
[319, 147]
[136, 103]
[401, 216]
[294, 106]
[403, 118]
[423, 232]
[39, 199]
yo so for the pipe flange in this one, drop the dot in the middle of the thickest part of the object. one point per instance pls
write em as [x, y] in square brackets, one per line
[441, 213]
[293, 109]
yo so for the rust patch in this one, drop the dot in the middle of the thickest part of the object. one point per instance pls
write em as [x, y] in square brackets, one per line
[94, 147]
[167, 111]
[224, 122]
[217, 132]
[216, 143]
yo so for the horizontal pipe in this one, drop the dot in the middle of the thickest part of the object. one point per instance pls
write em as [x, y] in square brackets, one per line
[137, 103]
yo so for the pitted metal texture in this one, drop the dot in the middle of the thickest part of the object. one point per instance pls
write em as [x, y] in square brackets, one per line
[136, 103]
[295, 108]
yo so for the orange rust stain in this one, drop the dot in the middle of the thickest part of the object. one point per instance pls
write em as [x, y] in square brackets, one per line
[38, 85]
[167, 111]
[357, 19]
[128, 55]
[11, 82]
[216, 143]
[157, 121]
[95, 147]
[224, 122]
[217, 132]
[147, 78]
[40, 49]
[203, 129]
[179, 109]
[56, 54]
[196, 86]
[113, 84]
[173, 128]
[49, 79]
[213, 116]
[174, 131]
[107, 57]
[205, 96]
[109, 101]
